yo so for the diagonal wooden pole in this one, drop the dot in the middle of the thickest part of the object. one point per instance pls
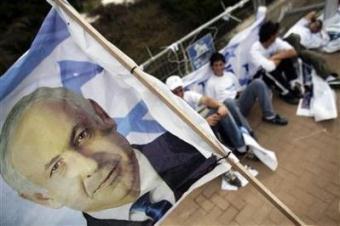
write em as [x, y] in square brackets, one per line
[141, 76]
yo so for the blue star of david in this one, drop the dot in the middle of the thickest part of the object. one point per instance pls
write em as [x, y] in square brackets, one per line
[229, 68]
[230, 51]
[74, 74]
[134, 122]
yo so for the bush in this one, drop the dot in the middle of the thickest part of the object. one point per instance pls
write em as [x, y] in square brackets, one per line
[20, 21]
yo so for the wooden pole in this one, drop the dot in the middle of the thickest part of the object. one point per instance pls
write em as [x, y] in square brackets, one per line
[140, 75]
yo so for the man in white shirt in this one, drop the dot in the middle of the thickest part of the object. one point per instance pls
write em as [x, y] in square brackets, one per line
[227, 123]
[224, 87]
[309, 29]
[274, 59]
[307, 35]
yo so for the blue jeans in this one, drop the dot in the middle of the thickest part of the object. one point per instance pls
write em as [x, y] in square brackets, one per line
[256, 90]
[230, 126]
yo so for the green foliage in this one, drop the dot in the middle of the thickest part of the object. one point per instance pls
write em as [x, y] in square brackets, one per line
[193, 11]
[20, 21]
[149, 24]
[153, 24]
[132, 28]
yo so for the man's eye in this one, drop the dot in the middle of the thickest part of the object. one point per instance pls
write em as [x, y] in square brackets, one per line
[85, 133]
[55, 167]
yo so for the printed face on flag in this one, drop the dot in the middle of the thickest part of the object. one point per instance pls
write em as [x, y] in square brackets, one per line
[70, 147]
[78, 130]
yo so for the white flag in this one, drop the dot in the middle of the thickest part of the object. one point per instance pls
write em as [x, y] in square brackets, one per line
[80, 133]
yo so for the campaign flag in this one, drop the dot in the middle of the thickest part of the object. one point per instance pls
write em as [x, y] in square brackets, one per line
[84, 142]
[236, 54]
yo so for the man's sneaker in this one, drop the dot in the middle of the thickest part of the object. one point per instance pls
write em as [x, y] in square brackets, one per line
[335, 83]
[297, 91]
[252, 134]
[335, 75]
[277, 120]
[290, 99]
[232, 179]
[251, 155]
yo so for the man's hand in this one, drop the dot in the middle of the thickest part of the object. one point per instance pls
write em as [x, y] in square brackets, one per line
[275, 60]
[213, 119]
[222, 110]
[283, 54]
[311, 16]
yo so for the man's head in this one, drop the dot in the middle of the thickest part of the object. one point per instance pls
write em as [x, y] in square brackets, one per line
[315, 26]
[175, 84]
[217, 62]
[59, 149]
[268, 32]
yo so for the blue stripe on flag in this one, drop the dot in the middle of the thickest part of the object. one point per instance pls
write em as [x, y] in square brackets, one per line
[74, 74]
[134, 122]
[51, 34]
[230, 51]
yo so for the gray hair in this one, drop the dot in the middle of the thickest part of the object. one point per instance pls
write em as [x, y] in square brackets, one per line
[17, 181]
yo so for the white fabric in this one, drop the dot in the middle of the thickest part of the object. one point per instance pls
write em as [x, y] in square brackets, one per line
[193, 99]
[323, 103]
[266, 156]
[119, 92]
[229, 187]
[222, 87]
[332, 25]
[260, 55]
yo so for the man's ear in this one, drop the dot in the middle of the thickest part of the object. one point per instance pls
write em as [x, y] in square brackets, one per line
[42, 199]
[108, 121]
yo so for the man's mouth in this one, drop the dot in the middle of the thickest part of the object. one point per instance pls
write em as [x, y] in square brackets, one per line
[110, 178]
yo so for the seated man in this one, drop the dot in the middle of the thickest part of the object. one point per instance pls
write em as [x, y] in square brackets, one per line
[218, 116]
[224, 87]
[274, 56]
[305, 36]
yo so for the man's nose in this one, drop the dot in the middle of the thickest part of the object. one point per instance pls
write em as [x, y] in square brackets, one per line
[78, 164]
[92, 182]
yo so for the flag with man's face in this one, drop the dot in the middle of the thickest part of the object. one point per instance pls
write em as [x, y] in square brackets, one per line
[83, 141]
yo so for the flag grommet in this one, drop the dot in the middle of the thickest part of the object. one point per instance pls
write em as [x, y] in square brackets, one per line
[133, 69]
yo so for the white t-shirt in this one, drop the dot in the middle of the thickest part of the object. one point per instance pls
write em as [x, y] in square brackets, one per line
[259, 54]
[193, 99]
[223, 87]
[308, 39]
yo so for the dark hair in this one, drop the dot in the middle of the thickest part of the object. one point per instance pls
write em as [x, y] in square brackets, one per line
[320, 23]
[267, 30]
[216, 57]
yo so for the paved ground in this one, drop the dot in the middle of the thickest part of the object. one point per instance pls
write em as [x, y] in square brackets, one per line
[307, 179]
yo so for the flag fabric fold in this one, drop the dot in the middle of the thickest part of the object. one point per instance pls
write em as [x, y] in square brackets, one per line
[68, 95]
